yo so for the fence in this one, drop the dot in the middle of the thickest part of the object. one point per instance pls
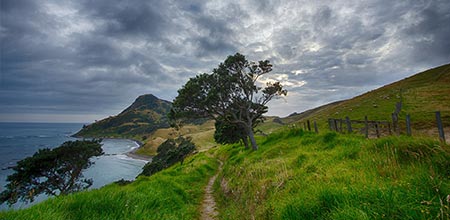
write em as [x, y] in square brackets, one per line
[371, 128]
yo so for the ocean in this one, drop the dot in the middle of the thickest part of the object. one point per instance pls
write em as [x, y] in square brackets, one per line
[20, 140]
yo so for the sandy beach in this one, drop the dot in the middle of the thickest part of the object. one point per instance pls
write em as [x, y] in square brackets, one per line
[134, 155]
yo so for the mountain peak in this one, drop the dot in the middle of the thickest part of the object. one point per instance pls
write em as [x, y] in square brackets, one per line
[147, 101]
[146, 114]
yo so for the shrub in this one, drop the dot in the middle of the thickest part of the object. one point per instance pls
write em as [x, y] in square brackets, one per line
[169, 152]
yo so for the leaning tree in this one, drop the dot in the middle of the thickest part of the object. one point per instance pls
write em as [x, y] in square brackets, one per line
[230, 94]
[53, 172]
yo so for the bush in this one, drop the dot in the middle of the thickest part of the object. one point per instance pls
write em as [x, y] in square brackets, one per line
[169, 152]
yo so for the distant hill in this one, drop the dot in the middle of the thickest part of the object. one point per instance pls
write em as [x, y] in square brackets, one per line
[147, 114]
[421, 95]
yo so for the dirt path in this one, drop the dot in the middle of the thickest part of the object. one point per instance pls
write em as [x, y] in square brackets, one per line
[209, 211]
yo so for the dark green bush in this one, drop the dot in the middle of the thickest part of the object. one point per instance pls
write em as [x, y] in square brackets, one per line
[169, 152]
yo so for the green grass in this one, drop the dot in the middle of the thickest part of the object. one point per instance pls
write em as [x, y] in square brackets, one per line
[171, 194]
[421, 94]
[301, 175]
[294, 175]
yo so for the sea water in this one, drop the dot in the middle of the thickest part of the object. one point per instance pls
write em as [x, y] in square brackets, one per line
[20, 140]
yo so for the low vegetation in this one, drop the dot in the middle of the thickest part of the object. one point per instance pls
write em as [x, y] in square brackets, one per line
[302, 175]
[175, 193]
[294, 174]
[169, 152]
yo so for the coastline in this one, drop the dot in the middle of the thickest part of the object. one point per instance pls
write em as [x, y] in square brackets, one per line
[132, 154]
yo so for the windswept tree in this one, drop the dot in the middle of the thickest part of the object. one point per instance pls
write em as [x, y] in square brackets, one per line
[230, 94]
[53, 172]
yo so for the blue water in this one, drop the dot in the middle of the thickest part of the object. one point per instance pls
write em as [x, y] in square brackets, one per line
[20, 140]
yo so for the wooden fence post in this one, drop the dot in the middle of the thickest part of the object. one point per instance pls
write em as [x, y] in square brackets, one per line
[389, 127]
[408, 125]
[340, 125]
[349, 125]
[309, 125]
[440, 126]
[394, 123]
[377, 130]
[367, 126]
[315, 127]
[330, 124]
[336, 128]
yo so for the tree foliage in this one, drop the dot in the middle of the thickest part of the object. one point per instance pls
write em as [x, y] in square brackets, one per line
[231, 94]
[51, 171]
[229, 133]
[169, 152]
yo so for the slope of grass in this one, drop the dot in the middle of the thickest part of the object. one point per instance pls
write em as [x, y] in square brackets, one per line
[202, 136]
[300, 175]
[421, 95]
[294, 175]
[175, 193]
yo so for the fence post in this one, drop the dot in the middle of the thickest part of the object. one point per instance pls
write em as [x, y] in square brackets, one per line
[367, 126]
[340, 125]
[336, 128]
[389, 127]
[330, 124]
[440, 127]
[309, 125]
[315, 127]
[349, 124]
[394, 122]
[377, 130]
[408, 125]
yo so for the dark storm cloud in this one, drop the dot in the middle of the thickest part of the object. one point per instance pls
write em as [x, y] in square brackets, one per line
[94, 57]
[129, 19]
[218, 38]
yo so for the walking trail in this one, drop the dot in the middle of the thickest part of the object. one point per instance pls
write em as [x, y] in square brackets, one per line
[209, 211]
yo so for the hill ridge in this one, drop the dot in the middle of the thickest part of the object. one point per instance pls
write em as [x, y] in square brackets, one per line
[145, 115]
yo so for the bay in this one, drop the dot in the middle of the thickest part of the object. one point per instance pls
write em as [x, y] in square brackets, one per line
[20, 140]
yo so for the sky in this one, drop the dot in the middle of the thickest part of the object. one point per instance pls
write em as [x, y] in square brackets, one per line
[81, 60]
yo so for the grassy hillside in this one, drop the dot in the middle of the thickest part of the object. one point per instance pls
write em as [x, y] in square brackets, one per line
[171, 194]
[294, 175]
[145, 115]
[421, 95]
[300, 175]
[202, 136]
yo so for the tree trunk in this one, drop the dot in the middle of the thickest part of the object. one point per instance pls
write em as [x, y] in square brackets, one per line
[245, 141]
[252, 139]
